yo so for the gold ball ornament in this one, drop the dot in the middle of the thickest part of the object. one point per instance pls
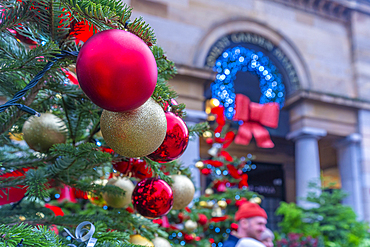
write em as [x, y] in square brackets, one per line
[190, 225]
[183, 191]
[140, 240]
[119, 201]
[222, 204]
[97, 199]
[210, 204]
[203, 204]
[208, 192]
[135, 133]
[41, 133]
[256, 200]
[207, 134]
[161, 242]
[199, 165]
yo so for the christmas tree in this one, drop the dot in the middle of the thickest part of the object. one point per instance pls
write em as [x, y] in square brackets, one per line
[210, 219]
[117, 111]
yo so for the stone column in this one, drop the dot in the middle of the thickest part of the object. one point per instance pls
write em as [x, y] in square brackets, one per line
[307, 162]
[191, 154]
[349, 163]
[364, 131]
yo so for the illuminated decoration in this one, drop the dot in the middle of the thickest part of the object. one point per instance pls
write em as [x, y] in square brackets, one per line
[238, 59]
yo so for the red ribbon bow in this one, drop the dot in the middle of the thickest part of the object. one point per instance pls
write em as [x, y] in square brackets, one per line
[221, 121]
[254, 117]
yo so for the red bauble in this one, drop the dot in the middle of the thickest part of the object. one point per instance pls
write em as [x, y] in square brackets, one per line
[175, 142]
[13, 194]
[123, 166]
[152, 198]
[202, 220]
[188, 237]
[137, 167]
[234, 226]
[166, 105]
[116, 70]
[141, 170]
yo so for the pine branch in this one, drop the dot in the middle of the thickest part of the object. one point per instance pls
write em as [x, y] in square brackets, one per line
[156, 169]
[13, 14]
[166, 68]
[32, 236]
[198, 129]
[142, 30]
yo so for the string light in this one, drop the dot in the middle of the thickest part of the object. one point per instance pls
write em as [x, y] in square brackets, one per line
[238, 59]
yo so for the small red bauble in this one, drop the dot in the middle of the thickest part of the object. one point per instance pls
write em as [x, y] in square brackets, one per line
[123, 166]
[152, 198]
[234, 226]
[175, 142]
[141, 170]
[202, 220]
[116, 70]
[137, 167]
[166, 105]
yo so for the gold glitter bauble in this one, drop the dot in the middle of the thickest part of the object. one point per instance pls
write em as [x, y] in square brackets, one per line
[199, 165]
[256, 200]
[135, 133]
[140, 240]
[161, 242]
[183, 191]
[119, 201]
[222, 204]
[191, 225]
[41, 133]
[203, 204]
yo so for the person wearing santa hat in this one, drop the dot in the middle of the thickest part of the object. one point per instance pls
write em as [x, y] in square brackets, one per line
[252, 221]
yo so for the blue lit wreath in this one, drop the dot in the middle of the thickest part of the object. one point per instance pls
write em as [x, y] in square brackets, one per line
[241, 59]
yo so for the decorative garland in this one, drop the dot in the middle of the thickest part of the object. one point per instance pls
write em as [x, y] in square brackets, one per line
[18, 96]
[242, 59]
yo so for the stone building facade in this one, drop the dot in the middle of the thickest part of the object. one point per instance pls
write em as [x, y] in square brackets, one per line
[321, 48]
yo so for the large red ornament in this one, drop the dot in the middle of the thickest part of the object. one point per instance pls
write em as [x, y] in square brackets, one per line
[13, 194]
[116, 70]
[152, 198]
[175, 142]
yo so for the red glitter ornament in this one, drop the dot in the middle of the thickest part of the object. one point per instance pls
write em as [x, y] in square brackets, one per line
[175, 142]
[152, 198]
[116, 70]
